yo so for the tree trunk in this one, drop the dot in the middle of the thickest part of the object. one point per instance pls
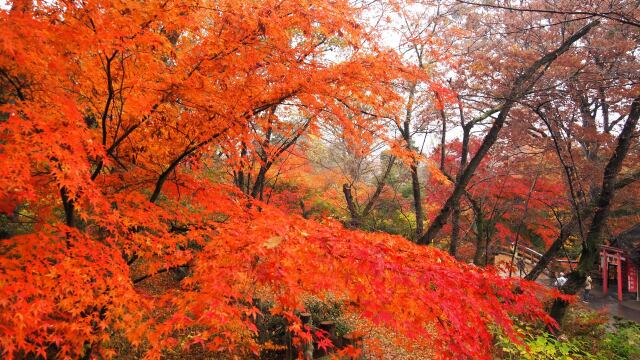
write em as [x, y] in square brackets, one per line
[405, 131]
[464, 153]
[480, 248]
[551, 253]
[261, 177]
[305, 213]
[480, 233]
[68, 206]
[417, 199]
[351, 206]
[455, 230]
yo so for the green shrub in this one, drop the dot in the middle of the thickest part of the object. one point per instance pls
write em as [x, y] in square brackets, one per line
[621, 344]
[540, 345]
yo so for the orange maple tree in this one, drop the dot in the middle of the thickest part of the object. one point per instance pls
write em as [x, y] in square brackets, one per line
[111, 113]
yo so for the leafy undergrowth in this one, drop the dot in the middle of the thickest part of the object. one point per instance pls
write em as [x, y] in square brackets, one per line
[601, 338]
[540, 344]
[622, 342]
[586, 334]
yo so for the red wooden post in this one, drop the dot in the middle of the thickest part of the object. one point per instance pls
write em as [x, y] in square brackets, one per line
[632, 279]
[619, 277]
[605, 272]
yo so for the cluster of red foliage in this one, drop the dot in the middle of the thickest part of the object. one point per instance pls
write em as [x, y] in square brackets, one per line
[63, 287]
[110, 115]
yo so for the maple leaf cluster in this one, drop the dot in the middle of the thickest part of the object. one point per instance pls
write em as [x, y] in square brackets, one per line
[63, 287]
[111, 114]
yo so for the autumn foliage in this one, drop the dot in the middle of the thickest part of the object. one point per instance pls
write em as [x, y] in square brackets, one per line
[63, 287]
[116, 118]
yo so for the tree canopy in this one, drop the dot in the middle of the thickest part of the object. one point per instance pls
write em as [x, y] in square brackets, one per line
[275, 150]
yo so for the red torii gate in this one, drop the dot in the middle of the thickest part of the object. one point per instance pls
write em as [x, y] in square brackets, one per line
[616, 256]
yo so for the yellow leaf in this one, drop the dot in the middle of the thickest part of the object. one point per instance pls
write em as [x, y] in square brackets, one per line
[273, 242]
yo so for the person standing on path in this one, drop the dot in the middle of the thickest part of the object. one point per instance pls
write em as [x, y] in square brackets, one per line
[520, 265]
[587, 289]
[560, 281]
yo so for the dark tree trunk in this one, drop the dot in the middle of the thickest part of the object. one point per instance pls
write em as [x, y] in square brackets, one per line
[305, 213]
[551, 253]
[455, 230]
[480, 248]
[351, 206]
[165, 174]
[261, 177]
[405, 131]
[417, 199]
[481, 232]
[69, 208]
[464, 153]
